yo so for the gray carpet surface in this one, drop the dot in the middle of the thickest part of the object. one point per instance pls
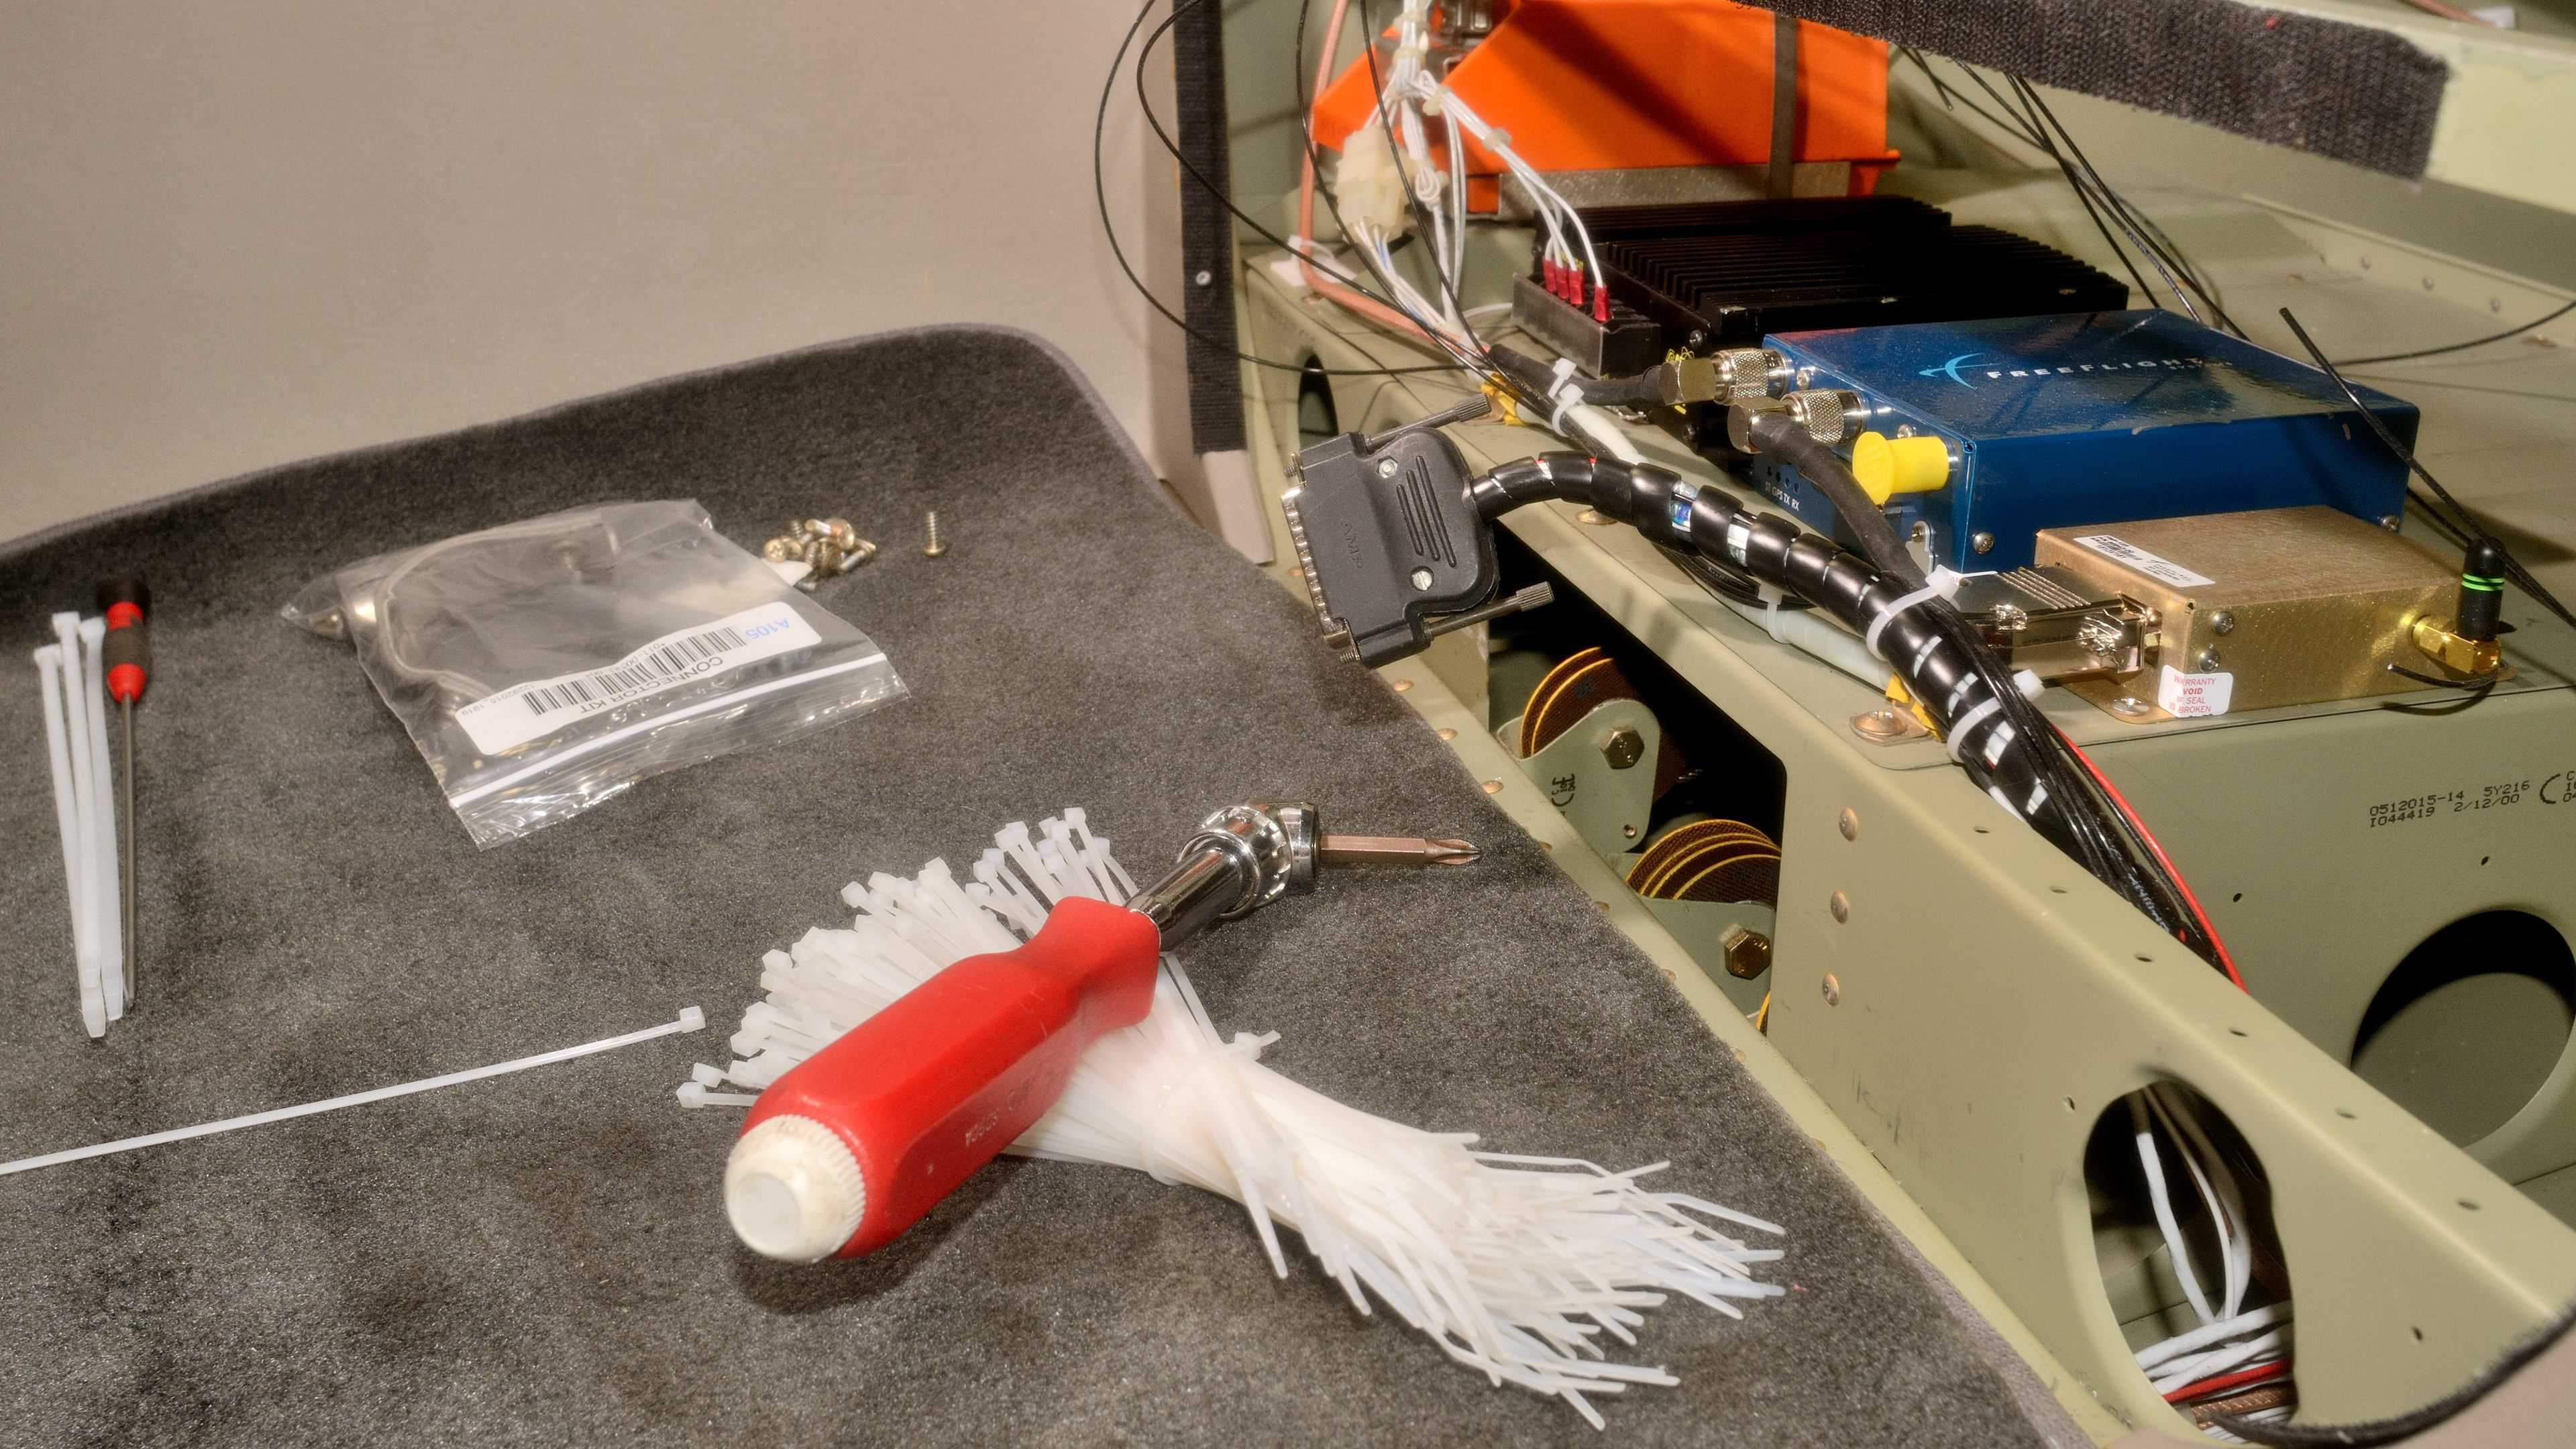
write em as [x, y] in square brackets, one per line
[543, 1259]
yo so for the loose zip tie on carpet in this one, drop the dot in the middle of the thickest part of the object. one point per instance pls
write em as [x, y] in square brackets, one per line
[691, 1019]
[1516, 1266]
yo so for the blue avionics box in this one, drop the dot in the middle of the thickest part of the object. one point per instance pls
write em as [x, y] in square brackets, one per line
[2096, 417]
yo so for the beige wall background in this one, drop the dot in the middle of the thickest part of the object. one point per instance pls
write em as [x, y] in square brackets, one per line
[242, 232]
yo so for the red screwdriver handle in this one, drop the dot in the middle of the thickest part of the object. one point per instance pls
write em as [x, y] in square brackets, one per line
[127, 650]
[938, 1083]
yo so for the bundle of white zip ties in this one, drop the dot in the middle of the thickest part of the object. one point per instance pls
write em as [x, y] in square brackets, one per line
[1517, 1267]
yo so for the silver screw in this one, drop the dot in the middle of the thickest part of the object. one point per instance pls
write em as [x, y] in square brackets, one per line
[1204, 277]
[932, 545]
[2390, 521]
[1982, 541]
[2130, 705]
[2222, 622]
[1386, 467]
[2205, 662]
[1421, 579]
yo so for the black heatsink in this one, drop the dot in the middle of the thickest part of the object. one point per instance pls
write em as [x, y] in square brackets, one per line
[1724, 274]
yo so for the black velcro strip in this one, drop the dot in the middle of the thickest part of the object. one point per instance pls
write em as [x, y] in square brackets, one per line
[1207, 229]
[2346, 91]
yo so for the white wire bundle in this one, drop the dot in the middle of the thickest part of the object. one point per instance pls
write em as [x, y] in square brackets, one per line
[2229, 1338]
[1517, 1266]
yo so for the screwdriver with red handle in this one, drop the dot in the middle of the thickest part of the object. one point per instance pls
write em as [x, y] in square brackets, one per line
[127, 653]
[857, 1142]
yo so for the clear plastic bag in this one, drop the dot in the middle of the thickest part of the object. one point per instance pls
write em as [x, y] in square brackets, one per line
[546, 665]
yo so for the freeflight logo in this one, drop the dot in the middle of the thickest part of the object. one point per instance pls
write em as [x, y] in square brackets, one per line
[1950, 369]
[1960, 368]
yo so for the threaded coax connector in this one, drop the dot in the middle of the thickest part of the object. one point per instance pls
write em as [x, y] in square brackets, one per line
[1831, 415]
[1747, 372]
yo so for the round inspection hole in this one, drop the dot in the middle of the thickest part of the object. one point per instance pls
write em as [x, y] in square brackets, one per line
[2240, 895]
[2143, 956]
[2070, 1104]
[2468, 1028]
[1981, 830]
[2419, 1334]
[2483, 859]
[2349, 1115]
[2057, 890]
[2469, 1203]
[2236, 1031]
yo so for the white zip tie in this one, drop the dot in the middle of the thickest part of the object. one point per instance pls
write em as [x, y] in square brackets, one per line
[49, 680]
[1562, 393]
[1904, 602]
[1518, 1267]
[106, 893]
[691, 1019]
[1966, 722]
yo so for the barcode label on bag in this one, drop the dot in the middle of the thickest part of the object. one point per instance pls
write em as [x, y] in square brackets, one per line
[542, 706]
[2154, 566]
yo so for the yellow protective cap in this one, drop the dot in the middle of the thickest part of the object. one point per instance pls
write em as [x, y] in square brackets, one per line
[1888, 466]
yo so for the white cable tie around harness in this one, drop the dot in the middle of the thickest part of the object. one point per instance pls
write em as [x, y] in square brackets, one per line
[1562, 392]
[1879, 625]
[1969, 721]
[690, 1019]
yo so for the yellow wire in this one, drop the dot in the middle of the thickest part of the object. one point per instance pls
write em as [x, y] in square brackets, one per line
[1762, 1017]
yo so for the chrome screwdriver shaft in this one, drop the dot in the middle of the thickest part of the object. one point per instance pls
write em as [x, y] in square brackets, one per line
[1393, 850]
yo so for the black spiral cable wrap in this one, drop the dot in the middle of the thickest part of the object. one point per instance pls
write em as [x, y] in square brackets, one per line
[2006, 746]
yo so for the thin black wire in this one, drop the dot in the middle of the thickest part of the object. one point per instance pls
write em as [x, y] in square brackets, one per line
[2463, 524]
[1947, 95]
[2086, 184]
[1145, 105]
[2039, 128]
[2037, 139]
[2460, 346]
[2480, 682]
[2162, 245]
[1100, 197]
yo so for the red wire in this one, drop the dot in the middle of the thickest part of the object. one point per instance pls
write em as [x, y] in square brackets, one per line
[2226, 962]
[2236, 1380]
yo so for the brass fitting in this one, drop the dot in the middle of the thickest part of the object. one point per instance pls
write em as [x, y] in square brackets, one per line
[1748, 953]
[2472, 657]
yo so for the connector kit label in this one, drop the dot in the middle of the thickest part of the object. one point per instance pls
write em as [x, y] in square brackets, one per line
[540, 707]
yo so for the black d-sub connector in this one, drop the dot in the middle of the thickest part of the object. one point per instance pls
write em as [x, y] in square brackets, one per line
[1388, 541]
